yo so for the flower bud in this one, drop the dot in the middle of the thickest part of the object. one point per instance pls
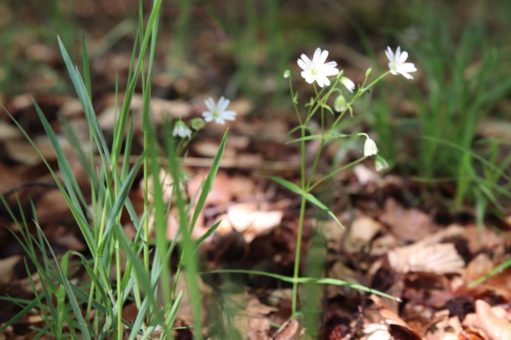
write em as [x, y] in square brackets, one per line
[197, 124]
[286, 74]
[380, 163]
[368, 72]
[340, 103]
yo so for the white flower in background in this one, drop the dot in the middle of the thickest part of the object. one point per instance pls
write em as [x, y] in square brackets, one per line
[348, 84]
[370, 148]
[181, 130]
[217, 111]
[397, 63]
[317, 70]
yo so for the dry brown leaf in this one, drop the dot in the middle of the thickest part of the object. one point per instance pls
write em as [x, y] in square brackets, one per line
[365, 174]
[407, 224]
[51, 205]
[494, 321]
[220, 193]
[444, 327]
[479, 266]
[161, 110]
[7, 131]
[430, 258]
[361, 232]
[6, 268]
[253, 322]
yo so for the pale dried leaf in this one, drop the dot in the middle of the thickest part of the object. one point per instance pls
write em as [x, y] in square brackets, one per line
[6, 268]
[251, 222]
[492, 320]
[365, 175]
[361, 232]
[436, 258]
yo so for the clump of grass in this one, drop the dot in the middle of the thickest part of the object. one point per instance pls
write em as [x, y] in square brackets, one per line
[464, 82]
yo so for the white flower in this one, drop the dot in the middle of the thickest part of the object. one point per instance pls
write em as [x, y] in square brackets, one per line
[397, 63]
[348, 84]
[217, 111]
[370, 148]
[181, 130]
[317, 70]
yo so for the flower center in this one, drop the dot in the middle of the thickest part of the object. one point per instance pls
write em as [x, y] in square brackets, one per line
[314, 71]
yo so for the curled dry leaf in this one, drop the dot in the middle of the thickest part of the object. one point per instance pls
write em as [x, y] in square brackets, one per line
[494, 321]
[429, 258]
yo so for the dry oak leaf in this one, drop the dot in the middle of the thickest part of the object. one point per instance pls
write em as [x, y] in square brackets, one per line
[430, 258]
[407, 224]
[494, 321]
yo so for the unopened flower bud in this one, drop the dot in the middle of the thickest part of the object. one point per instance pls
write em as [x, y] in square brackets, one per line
[340, 103]
[380, 163]
[197, 124]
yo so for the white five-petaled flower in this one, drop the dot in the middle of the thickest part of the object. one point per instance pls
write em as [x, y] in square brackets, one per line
[181, 130]
[397, 64]
[218, 111]
[317, 70]
[370, 148]
[348, 83]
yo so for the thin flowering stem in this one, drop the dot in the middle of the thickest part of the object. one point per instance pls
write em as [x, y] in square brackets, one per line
[335, 172]
[294, 101]
[301, 217]
[357, 95]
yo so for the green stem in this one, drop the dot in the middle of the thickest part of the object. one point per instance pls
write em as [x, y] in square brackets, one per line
[298, 244]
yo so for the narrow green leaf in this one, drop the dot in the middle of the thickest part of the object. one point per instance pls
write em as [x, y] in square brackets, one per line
[288, 279]
[308, 196]
[208, 183]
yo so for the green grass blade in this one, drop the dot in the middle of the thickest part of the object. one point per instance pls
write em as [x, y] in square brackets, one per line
[288, 279]
[208, 183]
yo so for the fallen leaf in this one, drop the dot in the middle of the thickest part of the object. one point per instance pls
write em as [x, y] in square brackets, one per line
[407, 224]
[253, 322]
[362, 230]
[251, 222]
[7, 267]
[288, 331]
[494, 321]
[430, 258]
